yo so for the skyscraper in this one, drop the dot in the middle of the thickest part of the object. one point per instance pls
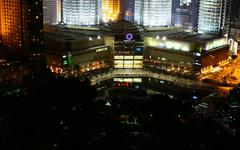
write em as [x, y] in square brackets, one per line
[82, 12]
[153, 12]
[110, 10]
[51, 11]
[235, 14]
[214, 16]
[175, 5]
[181, 17]
[194, 12]
[0, 24]
[22, 26]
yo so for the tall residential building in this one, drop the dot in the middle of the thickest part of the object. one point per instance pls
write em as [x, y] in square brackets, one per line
[181, 17]
[175, 5]
[235, 14]
[82, 12]
[110, 10]
[51, 11]
[214, 16]
[22, 26]
[153, 12]
[194, 11]
[0, 24]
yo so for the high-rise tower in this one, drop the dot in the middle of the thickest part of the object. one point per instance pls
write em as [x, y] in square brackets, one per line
[214, 16]
[153, 12]
[51, 11]
[22, 26]
[82, 12]
[110, 10]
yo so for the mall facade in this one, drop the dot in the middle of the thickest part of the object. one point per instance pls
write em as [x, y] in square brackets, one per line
[122, 45]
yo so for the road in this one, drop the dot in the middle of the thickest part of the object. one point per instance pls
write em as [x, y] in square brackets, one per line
[229, 74]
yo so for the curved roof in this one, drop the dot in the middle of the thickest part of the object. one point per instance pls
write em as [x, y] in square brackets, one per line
[121, 27]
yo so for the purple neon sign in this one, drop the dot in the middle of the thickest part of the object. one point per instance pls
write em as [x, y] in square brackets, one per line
[129, 36]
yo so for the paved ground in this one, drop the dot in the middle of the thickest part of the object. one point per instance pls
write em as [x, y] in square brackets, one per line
[187, 83]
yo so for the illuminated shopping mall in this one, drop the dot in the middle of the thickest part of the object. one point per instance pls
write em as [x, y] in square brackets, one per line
[93, 36]
[124, 45]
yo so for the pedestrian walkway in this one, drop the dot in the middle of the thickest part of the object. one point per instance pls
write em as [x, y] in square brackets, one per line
[186, 83]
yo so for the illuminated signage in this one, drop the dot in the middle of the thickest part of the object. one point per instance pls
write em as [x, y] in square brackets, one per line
[128, 57]
[136, 80]
[129, 36]
[118, 64]
[118, 57]
[138, 49]
[102, 49]
[138, 64]
[215, 44]
[168, 44]
[138, 57]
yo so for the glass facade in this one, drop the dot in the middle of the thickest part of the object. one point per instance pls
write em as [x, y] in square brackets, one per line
[153, 12]
[128, 61]
[110, 10]
[51, 11]
[21, 25]
[82, 12]
[213, 16]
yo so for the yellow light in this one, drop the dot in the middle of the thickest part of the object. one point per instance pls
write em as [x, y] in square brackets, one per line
[110, 10]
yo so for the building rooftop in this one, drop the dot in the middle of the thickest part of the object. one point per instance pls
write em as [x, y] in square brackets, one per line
[66, 36]
[182, 36]
[62, 41]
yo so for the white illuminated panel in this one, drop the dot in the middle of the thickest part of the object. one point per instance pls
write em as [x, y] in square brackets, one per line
[137, 80]
[138, 64]
[169, 44]
[118, 64]
[128, 57]
[128, 64]
[128, 80]
[138, 57]
[102, 49]
[118, 57]
[213, 16]
[118, 79]
[185, 48]
[153, 12]
[216, 43]
[82, 12]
